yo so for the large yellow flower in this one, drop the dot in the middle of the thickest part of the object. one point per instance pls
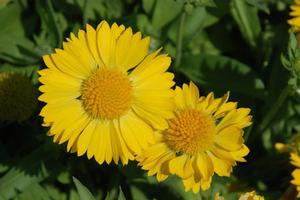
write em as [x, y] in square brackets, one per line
[104, 94]
[205, 136]
[295, 14]
[295, 160]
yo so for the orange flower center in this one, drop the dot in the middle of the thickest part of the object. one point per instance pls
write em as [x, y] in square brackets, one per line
[106, 94]
[191, 131]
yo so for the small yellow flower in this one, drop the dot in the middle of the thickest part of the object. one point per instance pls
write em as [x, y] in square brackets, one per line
[251, 196]
[218, 196]
[104, 94]
[295, 14]
[295, 160]
[283, 148]
[18, 97]
[204, 137]
[293, 145]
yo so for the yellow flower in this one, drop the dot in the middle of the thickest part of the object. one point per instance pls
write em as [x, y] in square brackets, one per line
[295, 160]
[295, 14]
[293, 145]
[283, 148]
[218, 196]
[205, 136]
[104, 94]
[18, 97]
[251, 196]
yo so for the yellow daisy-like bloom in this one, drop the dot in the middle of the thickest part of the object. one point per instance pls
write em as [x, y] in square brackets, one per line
[104, 94]
[295, 14]
[295, 160]
[251, 196]
[205, 136]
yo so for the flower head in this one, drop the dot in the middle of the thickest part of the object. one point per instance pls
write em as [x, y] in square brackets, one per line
[251, 196]
[204, 137]
[295, 160]
[18, 97]
[104, 93]
[295, 14]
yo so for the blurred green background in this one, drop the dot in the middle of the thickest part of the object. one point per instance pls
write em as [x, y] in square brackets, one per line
[241, 46]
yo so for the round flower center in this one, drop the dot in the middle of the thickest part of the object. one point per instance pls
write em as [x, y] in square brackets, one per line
[106, 94]
[190, 132]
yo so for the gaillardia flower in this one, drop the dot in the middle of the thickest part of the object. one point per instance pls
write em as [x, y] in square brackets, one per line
[295, 14]
[205, 136]
[295, 160]
[104, 94]
[18, 97]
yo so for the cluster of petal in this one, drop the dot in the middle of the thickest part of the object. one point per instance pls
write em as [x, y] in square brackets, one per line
[196, 169]
[119, 52]
[295, 160]
[218, 196]
[295, 14]
[251, 196]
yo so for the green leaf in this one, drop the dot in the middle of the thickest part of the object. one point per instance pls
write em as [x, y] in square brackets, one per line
[74, 195]
[165, 11]
[247, 19]
[35, 191]
[55, 193]
[53, 24]
[175, 185]
[30, 171]
[4, 158]
[83, 192]
[260, 4]
[137, 193]
[208, 3]
[14, 46]
[222, 73]
[121, 195]
[112, 194]
[194, 23]
[148, 5]
[64, 177]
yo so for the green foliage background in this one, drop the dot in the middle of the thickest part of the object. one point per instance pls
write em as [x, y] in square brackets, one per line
[242, 46]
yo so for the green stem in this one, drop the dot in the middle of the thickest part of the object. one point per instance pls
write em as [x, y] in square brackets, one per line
[179, 40]
[273, 111]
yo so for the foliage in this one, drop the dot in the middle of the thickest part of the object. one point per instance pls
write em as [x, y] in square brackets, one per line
[231, 45]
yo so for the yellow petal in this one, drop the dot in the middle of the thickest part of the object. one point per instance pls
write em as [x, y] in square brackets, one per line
[92, 43]
[238, 117]
[94, 141]
[203, 167]
[151, 65]
[131, 127]
[124, 152]
[85, 138]
[221, 167]
[230, 138]
[158, 122]
[104, 142]
[295, 159]
[240, 154]
[106, 44]
[131, 49]
[181, 166]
